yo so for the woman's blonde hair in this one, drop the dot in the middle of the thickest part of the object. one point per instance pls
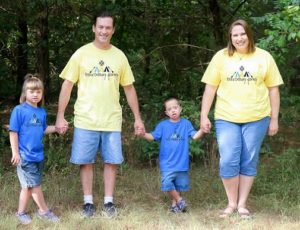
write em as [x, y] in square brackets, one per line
[251, 47]
[33, 82]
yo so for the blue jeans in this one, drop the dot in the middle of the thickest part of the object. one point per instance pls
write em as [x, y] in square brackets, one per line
[178, 181]
[30, 173]
[239, 146]
[86, 144]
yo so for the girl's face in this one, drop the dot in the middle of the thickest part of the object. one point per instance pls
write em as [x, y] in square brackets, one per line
[34, 96]
[239, 39]
[173, 109]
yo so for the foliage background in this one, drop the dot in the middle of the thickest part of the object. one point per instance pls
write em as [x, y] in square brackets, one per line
[168, 43]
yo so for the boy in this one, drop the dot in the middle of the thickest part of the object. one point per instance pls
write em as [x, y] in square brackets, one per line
[174, 134]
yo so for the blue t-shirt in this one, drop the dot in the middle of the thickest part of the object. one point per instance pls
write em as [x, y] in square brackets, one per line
[30, 123]
[174, 144]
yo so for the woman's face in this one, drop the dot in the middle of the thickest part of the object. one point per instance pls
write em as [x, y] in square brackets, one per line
[239, 39]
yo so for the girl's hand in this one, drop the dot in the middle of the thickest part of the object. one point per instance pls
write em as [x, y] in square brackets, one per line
[15, 160]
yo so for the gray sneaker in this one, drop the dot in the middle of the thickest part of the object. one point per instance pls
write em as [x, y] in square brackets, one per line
[181, 205]
[88, 210]
[174, 209]
[109, 210]
[49, 215]
[24, 218]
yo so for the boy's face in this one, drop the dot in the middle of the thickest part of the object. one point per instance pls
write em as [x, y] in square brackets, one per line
[173, 109]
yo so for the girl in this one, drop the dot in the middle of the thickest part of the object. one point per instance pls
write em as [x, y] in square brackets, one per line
[27, 127]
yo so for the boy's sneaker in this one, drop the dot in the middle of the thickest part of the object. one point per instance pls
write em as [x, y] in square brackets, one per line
[109, 210]
[174, 209]
[88, 210]
[181, 205]
[49, 215]
[24, 218]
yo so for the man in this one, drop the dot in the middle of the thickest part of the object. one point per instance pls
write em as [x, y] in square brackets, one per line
[98, 68]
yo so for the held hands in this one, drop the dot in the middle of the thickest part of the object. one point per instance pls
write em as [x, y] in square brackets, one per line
[139, 128]
[205, 124]
[61, 125]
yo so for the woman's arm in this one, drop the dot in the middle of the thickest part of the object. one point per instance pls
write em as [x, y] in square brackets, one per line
[275, 104]
[207, 100]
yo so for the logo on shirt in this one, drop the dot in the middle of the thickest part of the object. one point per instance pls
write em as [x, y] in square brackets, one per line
[242, 75]
[101, 70]
[175, 136]
[34, 121]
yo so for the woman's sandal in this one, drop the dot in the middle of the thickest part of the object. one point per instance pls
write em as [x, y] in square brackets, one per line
[227, 212]
[244, 213]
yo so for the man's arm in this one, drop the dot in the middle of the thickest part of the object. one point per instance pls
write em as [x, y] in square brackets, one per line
[132, 100]
[64, 98]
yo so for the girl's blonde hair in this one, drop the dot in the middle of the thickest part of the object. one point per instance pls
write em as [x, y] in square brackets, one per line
[240, 22]
[33, 82]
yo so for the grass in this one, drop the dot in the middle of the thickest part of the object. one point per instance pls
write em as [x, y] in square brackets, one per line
[143, 206]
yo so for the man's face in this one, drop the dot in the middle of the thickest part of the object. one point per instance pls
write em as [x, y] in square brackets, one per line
[103, 30]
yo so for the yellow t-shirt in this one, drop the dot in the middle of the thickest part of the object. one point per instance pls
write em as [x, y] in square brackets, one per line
[243, 81]
[98, 74]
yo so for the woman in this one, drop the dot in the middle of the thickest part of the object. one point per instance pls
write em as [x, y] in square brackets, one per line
[246, 80]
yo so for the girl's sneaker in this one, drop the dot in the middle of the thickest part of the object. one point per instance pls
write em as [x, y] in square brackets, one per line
[49, 215]
[24, 218]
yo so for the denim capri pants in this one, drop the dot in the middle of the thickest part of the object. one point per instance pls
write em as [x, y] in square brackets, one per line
[239, 146]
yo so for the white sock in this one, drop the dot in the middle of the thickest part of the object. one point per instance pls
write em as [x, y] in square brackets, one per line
[108, 199]
[88, 199]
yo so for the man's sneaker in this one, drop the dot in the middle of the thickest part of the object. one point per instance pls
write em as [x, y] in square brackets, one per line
[181, 205]
[49, 215]
[174, 209]
[109, 210]
[88, 210]
[24, 218]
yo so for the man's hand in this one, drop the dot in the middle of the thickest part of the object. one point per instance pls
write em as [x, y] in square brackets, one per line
[139, 128]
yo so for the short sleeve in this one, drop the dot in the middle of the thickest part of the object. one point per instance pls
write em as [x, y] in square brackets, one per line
[212, 73]
[191, 129]
[273, 76]
[71, 71]
[15, 120]
[157, 132]
[127, 77]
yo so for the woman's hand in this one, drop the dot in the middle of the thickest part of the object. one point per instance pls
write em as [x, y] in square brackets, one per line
[205, 124]
[273, 127]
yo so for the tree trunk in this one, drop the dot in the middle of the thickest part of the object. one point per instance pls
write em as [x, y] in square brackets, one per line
[22, 54]
[43, 49]
[217, 25]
